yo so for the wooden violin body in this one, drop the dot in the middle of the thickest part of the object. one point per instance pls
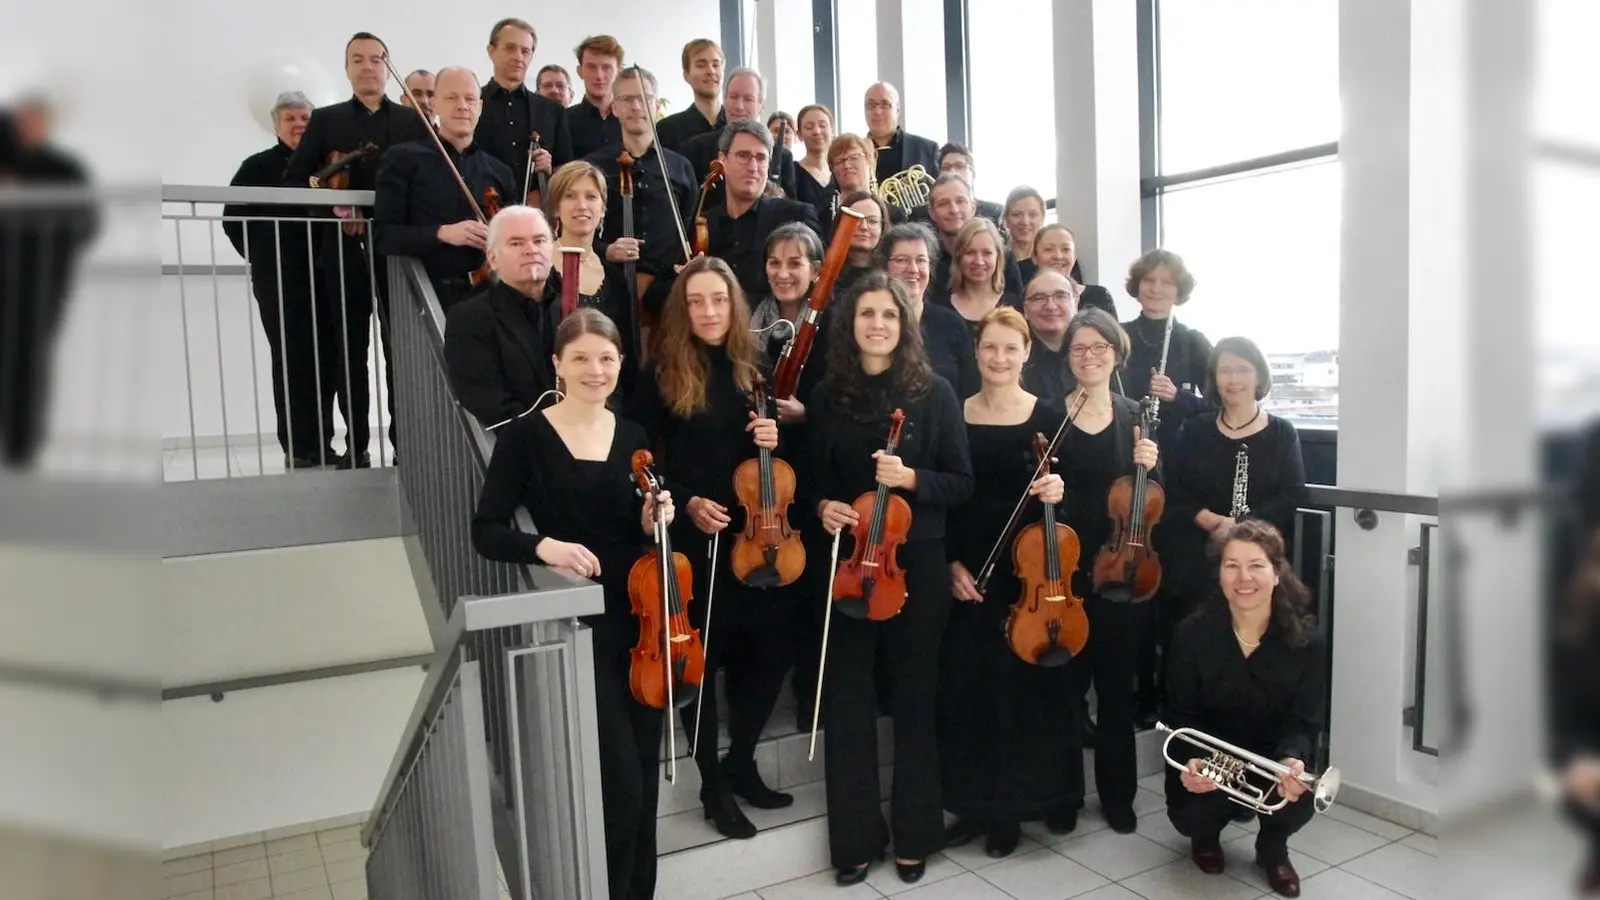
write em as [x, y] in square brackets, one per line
[871, 584]
[1047, 625]
[491, 208]
[669, 661]
[335, 172]
[767, 553]
[1126, 569]
[702, 228]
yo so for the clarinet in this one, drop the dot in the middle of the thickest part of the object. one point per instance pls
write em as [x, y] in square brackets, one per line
[1241, 484]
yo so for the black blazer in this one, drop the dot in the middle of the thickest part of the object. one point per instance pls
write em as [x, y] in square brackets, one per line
[906, 150]
[343, 127]
[747, 258]
[497, 356]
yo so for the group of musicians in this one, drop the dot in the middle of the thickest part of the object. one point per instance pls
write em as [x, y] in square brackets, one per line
[957, 382]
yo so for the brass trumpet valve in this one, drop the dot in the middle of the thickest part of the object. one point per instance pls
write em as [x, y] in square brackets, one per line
[1221, 768]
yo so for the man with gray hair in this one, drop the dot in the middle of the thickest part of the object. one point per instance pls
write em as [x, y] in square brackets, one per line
[743, 98]
[499, 342]
[740, 225]
[280, 278]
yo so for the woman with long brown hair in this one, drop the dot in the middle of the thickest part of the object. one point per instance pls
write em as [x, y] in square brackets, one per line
[694, 402]
[1249, 669]
[876, 365]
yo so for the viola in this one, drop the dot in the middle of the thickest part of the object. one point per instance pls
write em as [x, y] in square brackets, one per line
[1047, 625]
[702, 228]
[871, 584]
[768, 552]
[491, 208]
[786, 375]
[1126, 569]
[668, 663]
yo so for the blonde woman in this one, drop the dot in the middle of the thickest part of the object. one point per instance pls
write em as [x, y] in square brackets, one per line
[977, 277]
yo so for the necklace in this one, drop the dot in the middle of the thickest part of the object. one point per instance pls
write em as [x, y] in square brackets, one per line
[1248, 645]
[1223, 418]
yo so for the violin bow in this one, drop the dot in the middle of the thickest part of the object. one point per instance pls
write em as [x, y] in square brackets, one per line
[416, 104]
[661, 158]
[1039, 468]
[822, 664]
[705, 646]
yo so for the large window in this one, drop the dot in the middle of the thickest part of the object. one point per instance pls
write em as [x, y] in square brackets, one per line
[1244, 180]
[1012, 60]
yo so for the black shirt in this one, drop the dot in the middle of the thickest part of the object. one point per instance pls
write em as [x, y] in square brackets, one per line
[907, 150]
[1271, 703]
[652, 212]
[950, 350]
[266, 246]
[702, 149]
[497, 349]
[1188, 355]
[590, 131]
[933, 441]
[741, 242]
[1046, 373]
[675, 130]
[939, 287]
[510, 116]
[345, 127]
[417, 193]
[701, 451]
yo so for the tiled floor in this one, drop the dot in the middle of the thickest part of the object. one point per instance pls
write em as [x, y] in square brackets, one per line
[321, 865]
[1341, 855]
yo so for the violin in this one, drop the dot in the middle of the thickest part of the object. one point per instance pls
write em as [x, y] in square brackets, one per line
[532, 197]
[335, 172]
[768, 552]
[491, 208]
[1126, 569]
[702, 229]
[786, 375]
[668, 663]
[1047, 625]
[871, 584]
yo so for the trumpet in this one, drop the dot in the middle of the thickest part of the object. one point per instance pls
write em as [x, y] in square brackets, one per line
[1230, 768]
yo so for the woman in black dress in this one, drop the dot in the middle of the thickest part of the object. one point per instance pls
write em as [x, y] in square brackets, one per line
[876, 365]
[577, 210]
[1248, 669]
[977, 275]
[1240, 454]
[1160, 281]
[694, 403]
[1024, 214]
[1007, 729]
[1056, 247]
[1102, 445]
[813, 181]
[569, 465]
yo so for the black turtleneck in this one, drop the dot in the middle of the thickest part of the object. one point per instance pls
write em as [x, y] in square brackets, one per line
[1046, 374]
[1188, 355]
[933, 441]
[700, 452]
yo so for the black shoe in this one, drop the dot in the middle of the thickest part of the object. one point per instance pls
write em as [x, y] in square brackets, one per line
[852, 875]
[745, 780]
[300, 462]
[347, 461]
[725, 814]
[962, 831]
[1122, 820]
[1062, 821]
[1145, 719]
[910, 873]
[1003, 839]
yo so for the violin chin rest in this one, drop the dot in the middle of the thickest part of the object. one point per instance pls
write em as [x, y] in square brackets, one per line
[764, 577]
[854, 607]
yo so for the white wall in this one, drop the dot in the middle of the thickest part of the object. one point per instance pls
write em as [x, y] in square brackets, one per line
[210, 128]
[280, 756]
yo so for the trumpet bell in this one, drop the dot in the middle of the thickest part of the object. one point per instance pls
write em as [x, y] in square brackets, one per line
[1326, 790]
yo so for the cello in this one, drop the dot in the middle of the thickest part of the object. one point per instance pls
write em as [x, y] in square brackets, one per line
[1047, 625]
[666, 666]
[786, 374]
[1126, 569]
[871, 584]
[768, 552]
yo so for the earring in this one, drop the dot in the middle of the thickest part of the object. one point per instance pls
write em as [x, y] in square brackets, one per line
[561, 388]
[556, 232]
[600, 230]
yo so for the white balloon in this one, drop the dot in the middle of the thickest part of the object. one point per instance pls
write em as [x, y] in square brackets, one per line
[286, 73]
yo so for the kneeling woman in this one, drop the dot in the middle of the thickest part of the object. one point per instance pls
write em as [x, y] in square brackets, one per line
[694, 403]
[569, 465]
[875, 366]
[1247, 669]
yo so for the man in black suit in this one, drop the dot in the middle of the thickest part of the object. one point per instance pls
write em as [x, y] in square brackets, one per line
[898, 149]
[740, 226]
[280, 278]
[421, 211]
[349, 276]
[498, 344]
[742, 99]
[512, 112]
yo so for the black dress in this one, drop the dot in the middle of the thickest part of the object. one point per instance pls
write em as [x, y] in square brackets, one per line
[590, 502]
[1008, 737]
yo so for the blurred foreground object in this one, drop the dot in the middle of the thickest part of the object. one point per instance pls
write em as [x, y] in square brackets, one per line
[47, 221]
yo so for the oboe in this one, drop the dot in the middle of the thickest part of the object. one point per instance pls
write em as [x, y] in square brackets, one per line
[1241, 484]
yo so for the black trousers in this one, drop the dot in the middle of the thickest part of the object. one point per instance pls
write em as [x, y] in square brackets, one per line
[752, 640]
[1110, 658]
[1202, 817]
[909, 646]
[630, 775]
[286, 318]
[347, 297]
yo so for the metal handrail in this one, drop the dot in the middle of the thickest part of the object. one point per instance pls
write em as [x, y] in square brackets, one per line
[266, 196]
[1377, 501]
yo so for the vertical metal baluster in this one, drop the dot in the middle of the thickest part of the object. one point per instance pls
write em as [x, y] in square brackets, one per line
[188, 373]
[346, 358]
[381, 348]
[216, 322]
[283, 344]
[323, 438]
[250, 336]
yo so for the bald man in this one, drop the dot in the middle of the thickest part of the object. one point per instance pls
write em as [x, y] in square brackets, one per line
[498, 344]
[898, 149]
[1049, 302]
[420, 209]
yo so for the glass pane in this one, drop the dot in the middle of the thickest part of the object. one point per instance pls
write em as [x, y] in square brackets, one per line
[1246, 78]
[1568, 338]
[1000, 49]
[1568, 70]
[1265, 256]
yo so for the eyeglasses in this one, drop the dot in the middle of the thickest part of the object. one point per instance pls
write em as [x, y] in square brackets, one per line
[879, 104]
[627, 99]
[746, 158]
[918, 262]
[851, 158]
[1061, 298]
[874, 221]
[1079, 351]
